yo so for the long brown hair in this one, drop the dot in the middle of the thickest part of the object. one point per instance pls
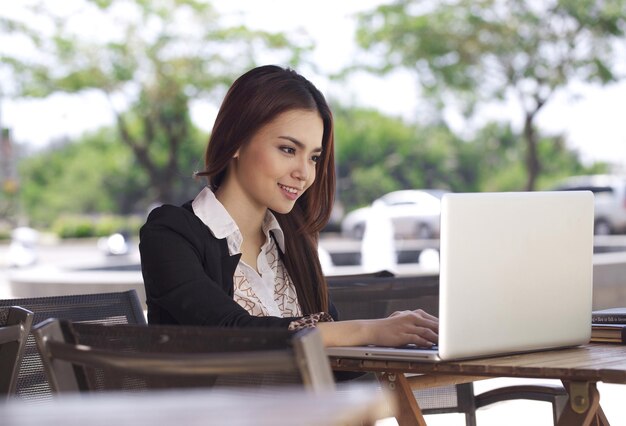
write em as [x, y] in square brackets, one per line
[255, 99]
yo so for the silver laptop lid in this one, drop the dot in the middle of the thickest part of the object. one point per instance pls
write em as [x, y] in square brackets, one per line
[515, 272]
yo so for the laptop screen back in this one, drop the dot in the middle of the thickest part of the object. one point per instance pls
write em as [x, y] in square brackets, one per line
[515, 272]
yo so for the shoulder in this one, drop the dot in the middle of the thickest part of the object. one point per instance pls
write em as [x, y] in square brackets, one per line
[171, 227]
[169, 215]
[168, 211]
[178, 219]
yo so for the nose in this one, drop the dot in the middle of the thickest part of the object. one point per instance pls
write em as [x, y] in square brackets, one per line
[303, 170]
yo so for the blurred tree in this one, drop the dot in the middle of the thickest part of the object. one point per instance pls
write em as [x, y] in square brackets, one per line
[154, 57]
[94, 175]
[84, 176]
[466, 52]
[496, 158]
[9, 185]
[377, 154]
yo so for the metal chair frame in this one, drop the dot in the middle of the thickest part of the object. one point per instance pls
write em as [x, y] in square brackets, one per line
[15, 324]
[67, 359]
[110, 308]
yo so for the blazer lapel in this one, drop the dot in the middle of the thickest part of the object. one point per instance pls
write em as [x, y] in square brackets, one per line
[229, 264]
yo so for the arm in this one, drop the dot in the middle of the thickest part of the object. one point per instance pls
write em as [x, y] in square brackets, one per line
[400, 328]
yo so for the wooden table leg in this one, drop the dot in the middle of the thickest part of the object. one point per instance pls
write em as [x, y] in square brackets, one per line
[409, 413]
[583, 407]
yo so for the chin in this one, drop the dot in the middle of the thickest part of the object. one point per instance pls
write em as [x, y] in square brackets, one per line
[283, 208]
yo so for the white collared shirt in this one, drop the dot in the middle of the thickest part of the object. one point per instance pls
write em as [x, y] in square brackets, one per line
[268, 292]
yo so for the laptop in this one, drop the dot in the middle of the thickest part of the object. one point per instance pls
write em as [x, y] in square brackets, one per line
[515, 276]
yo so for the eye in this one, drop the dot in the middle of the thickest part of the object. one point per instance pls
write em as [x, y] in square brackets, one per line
[288, 150]
[316, 158]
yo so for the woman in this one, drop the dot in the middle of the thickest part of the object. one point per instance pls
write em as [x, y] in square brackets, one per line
[244, 251]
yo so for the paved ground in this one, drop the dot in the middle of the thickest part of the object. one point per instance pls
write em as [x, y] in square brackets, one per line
[53, 254]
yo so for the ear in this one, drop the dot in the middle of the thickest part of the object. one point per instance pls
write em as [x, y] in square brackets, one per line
[236, 154]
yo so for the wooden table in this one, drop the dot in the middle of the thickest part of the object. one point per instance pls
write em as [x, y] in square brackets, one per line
[578, 368]
[355, 405]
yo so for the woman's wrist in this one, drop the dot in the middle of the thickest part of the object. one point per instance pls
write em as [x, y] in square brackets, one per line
[346, 333]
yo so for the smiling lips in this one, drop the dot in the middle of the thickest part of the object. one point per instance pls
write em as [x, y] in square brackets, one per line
[291, 193]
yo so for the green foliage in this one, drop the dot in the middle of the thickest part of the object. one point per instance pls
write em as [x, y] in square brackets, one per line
[5, 233]
[500, 153]
[169, 40]
[466, 52]
[63, 180]
[81, 226]
[97, 174]
[366, 184]
[78, 188]
[74, 227]
[488, 46]
[372, 153]
[8, 202]
[161, 56]
[159, 132]
[9, 183]
[377, 154]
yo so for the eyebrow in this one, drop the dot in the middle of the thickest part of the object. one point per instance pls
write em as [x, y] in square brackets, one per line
[299, 144]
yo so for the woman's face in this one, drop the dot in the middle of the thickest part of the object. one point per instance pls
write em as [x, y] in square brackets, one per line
[278, 164]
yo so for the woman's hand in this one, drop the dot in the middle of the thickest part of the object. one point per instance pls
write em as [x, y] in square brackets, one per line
[398, 329]
[405, 327]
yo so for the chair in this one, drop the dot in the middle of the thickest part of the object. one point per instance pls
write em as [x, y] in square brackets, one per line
[109, 308]
[379, 294]
[96, 357]
[554, 394]
[15, 323]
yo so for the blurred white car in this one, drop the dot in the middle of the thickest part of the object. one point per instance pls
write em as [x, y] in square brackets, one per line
[610, 200]
[414, 213]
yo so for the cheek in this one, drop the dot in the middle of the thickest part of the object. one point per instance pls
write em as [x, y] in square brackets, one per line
[258, 162]
[266, 164]
[312, 177]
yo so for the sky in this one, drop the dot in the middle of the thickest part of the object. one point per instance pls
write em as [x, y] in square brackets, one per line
[593, 124]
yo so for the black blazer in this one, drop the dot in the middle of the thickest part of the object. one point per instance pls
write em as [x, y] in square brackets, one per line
[188, 273]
